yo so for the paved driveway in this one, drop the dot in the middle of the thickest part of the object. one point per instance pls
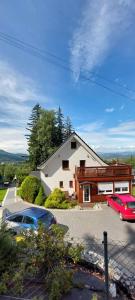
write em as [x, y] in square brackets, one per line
[88, 226]
[92, 223]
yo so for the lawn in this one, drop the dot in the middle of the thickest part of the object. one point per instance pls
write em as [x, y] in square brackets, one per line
[2, 194]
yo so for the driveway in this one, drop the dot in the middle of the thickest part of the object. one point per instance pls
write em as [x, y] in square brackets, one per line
[87, 226]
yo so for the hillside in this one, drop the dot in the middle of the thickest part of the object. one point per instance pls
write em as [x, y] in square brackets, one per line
[11, 157]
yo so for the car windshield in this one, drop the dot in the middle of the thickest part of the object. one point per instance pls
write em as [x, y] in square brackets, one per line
[131, 204]
[46, 219]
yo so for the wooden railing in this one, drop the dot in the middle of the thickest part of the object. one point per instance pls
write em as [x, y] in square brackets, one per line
[108, 171]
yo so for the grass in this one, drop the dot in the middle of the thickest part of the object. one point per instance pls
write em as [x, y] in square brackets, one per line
[2, 194]
[133, 190]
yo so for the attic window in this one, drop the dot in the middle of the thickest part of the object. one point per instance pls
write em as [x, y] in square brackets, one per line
[65, 164]
[73, 145]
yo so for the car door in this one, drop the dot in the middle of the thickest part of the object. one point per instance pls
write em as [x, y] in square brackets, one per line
[28, 223]
[112, 202]
[119, 205]
[14, 222]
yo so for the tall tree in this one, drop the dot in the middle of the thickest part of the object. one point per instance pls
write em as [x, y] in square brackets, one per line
[68, 129]
[32, 137]
[60, 127]
[47, 134]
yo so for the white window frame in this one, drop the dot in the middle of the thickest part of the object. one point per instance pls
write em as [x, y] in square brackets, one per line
[121, 185]
[103, 189]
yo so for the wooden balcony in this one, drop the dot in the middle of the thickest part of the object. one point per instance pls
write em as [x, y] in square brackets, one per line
[103, 172]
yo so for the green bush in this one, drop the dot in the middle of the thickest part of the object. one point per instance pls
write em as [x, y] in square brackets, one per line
[41, 252]
[57, 199]
[30, 188]
[40, 197]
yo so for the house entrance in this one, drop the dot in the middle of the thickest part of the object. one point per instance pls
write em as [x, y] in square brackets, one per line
[86, 193]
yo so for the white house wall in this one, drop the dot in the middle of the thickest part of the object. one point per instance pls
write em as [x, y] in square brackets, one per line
[53, 173]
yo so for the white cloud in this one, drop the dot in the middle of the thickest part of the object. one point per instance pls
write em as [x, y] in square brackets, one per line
[13, 140]
[109, 110]
[18, 94]
[101, 25]
[120, 138]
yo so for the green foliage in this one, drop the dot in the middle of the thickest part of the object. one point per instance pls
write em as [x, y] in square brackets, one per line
[47, 130]
[32, 137]
[2, 194]
[40, 197]
[60, 126]
[2, 166]
[22, 171]
[8, 248]
[9, 172]
[75, 253]
[30, 188]
[68, 129]
[59, 282]
[133, 190]
[57, 199]
[42, 252]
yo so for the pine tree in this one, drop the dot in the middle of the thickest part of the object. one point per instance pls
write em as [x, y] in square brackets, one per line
[60, 127]
[68, 129]
[32, 137]
[47, 134]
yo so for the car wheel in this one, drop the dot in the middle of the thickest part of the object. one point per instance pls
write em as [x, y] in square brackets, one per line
[108, 203]
[121, 217]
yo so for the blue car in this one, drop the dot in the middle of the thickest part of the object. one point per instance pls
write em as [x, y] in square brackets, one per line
[30, 218]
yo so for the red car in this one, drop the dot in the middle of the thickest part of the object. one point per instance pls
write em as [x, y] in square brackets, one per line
[123, 204]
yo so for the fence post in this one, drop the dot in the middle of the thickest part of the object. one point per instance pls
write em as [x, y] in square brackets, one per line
[106, 265]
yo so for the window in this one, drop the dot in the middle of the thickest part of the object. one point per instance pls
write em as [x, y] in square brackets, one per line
[28, 220]
[70, 183]
[121, 187]
[61, 184]
[65, 164]
[117, 189]
[105, 188]
[73, 145]
[17, 219]
[82, 163]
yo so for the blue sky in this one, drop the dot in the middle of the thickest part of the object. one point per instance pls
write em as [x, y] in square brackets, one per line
[95, 38]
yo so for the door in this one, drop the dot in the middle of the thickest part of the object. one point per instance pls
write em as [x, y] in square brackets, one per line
[86, 193]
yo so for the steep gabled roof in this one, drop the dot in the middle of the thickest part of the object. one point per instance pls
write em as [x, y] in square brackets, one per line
[80, 140]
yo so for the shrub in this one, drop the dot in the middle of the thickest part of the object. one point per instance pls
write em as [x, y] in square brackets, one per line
[56, 199]
[40, 197]
[30, 188]
[42, 252]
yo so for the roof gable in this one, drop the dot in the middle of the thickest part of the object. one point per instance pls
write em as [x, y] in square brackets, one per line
[84, 145]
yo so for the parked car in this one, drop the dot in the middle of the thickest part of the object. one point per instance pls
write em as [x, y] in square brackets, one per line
[123, 204]
[30, 218]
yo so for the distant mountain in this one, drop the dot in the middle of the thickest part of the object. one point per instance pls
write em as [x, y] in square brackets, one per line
[117, 155]
[12, 157]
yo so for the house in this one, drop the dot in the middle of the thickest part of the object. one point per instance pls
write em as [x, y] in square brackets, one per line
[76, 169]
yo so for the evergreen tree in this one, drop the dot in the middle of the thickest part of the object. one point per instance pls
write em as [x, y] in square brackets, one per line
[60, 127]
[47, 134]
[32, 137]
[68, 129]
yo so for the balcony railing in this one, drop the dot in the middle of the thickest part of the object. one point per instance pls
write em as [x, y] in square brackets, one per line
[109, 171]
